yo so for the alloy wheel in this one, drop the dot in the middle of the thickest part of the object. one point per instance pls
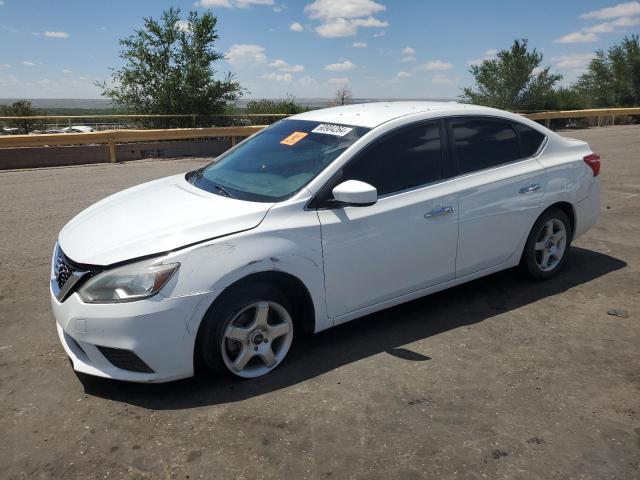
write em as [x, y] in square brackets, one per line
[257, 339]
[550, 245]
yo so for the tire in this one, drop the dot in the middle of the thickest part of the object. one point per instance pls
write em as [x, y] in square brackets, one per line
[547, 246]
[248, 332]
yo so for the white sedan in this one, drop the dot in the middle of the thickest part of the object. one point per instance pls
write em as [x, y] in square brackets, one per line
[316, 220]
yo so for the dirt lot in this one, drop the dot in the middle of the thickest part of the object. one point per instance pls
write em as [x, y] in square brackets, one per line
[499, 378]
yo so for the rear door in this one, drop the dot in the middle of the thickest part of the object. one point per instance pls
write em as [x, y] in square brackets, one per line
[500, 185]
[406, 240]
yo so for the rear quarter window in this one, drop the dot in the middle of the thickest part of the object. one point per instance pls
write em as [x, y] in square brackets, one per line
[482, 143]
[530, 139]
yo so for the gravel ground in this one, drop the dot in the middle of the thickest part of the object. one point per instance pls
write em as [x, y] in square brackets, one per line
[499, 378]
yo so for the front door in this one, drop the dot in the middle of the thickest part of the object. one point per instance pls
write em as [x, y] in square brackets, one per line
[404, 242]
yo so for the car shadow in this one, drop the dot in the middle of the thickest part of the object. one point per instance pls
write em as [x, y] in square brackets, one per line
[387, 331]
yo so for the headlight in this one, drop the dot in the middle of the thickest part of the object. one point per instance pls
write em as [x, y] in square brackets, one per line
[129, 283]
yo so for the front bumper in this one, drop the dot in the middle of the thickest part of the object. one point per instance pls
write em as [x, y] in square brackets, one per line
[160, 331]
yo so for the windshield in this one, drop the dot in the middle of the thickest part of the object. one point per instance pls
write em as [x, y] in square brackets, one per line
[276, 162]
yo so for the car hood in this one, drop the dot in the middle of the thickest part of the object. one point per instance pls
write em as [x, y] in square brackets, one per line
[152, 218]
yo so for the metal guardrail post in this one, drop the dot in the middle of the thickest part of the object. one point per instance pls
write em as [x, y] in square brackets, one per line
[113, 157]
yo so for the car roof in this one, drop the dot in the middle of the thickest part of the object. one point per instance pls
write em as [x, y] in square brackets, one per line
[375, 113]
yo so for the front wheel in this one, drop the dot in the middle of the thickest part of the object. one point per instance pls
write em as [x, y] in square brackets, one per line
[249, 332]
[548, 244]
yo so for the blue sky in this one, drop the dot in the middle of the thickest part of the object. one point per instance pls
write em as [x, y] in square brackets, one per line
[381, 48]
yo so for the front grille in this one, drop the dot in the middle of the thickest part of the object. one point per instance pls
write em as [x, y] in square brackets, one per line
[68, 275]
[62, 269]
[124, 359]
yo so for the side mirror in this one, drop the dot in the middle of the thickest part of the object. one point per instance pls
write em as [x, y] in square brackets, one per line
[356, 193]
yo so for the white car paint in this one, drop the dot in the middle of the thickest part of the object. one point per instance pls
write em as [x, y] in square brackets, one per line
[188, 215]
[352, 260]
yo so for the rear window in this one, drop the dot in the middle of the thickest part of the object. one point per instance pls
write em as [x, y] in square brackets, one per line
[483, 143]
[530, 139]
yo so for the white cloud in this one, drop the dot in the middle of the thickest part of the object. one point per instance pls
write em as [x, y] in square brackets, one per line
[278, 63]
[436, 65]
[403, 74]
[308, 81]
[444, 79]
[359, 44]
[293, 69]
[285, 67]
[608, 27]
[233, 3]
[408, 55]
[572, 61]
[28, 63]
[489, 54]
[246, 53]
[296, 27]
[577, 37]
[56, 34]
[600, 28]
[251, 3]
[344, 27]
[183, 25]
[620, 10]
[339, 80]
[623, 15]
[626, 22]
[274, 77]
[379, 34]
[66, 71]
[213, 3]
[340, 67]
[326, 9]
[342, 18]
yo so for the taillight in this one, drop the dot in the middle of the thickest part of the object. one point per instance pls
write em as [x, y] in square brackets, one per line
[593, 160]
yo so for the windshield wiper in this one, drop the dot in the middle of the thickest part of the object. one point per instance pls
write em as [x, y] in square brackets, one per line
[222, 190]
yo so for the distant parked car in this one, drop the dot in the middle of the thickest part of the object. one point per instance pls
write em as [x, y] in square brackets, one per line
[318, 219]
[77, 129]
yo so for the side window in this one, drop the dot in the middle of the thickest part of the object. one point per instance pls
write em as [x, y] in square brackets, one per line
[483, 143]
[530, 139]
[406, 159]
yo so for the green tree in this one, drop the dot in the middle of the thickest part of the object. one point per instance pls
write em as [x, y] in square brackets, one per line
[513, 81]
[21, 108]
[285, 105]
[613, 77]
[168, 69]
[567, 98]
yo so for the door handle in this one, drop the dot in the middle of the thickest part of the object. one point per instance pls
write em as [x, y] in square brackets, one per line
[440, 212]
[530, 188]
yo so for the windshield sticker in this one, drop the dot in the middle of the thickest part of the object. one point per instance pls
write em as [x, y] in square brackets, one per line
[327, 129]
[294, 138]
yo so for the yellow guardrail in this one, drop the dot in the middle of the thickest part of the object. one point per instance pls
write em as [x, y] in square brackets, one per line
[127, 116]
[112, 137]
[599, 113]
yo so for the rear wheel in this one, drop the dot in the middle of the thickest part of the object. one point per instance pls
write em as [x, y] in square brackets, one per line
[248, 332]
[548, 244]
